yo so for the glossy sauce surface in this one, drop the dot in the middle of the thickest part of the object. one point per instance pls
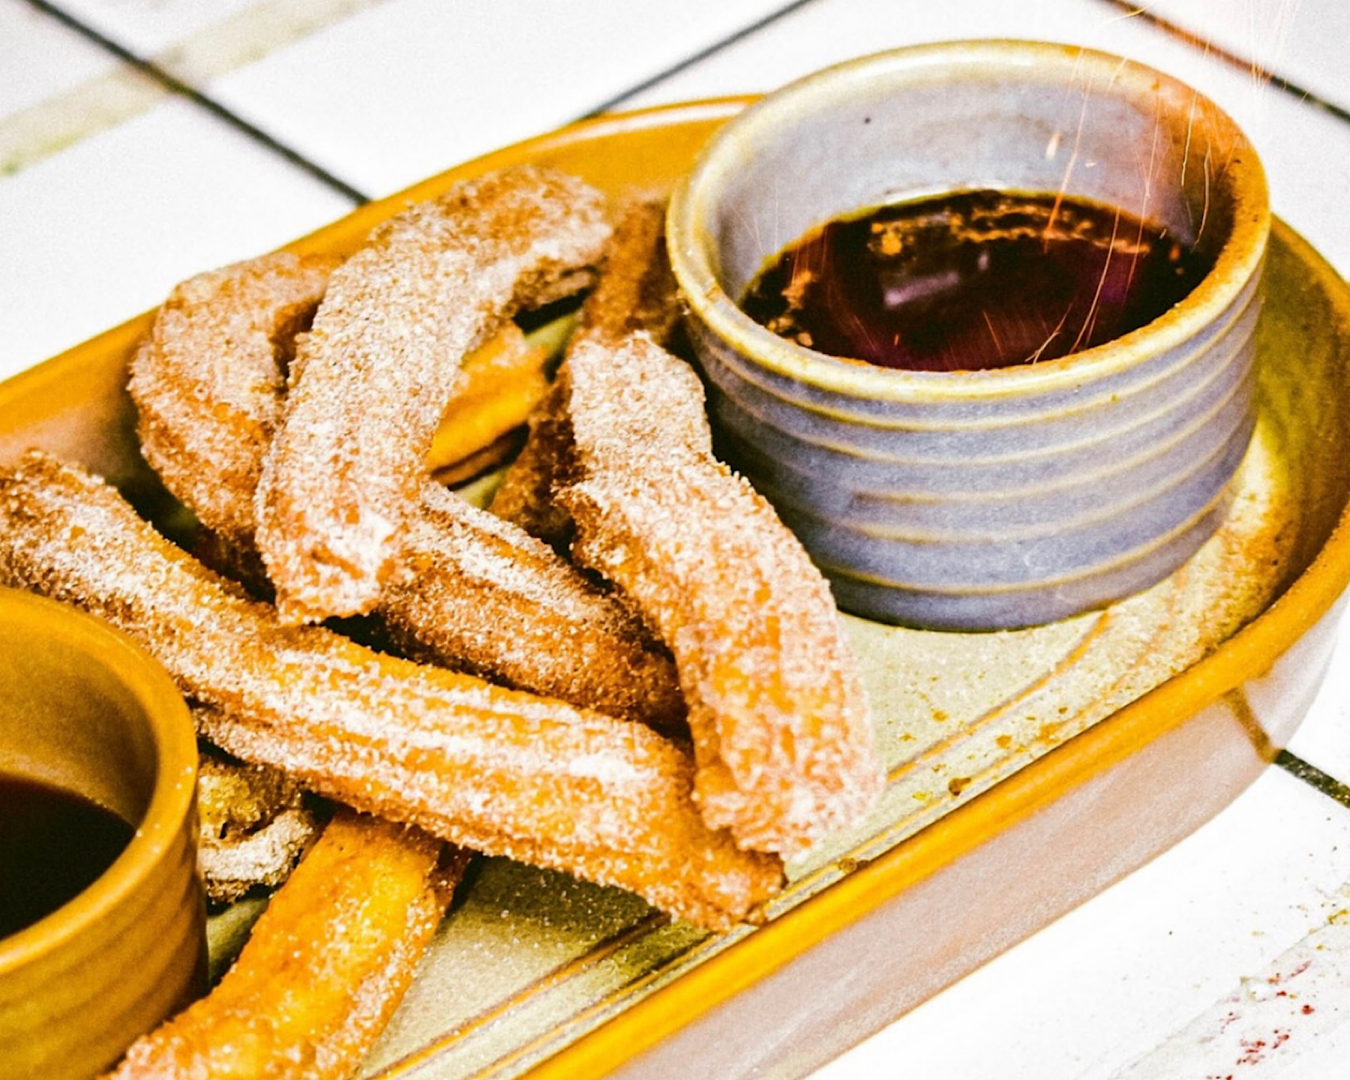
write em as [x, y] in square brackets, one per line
[972, 280]
[53, 845]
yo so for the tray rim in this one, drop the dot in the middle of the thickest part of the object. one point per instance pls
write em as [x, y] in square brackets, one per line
[965, 828]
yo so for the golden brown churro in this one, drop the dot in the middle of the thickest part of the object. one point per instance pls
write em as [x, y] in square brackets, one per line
[490, 599]
[324, 967]
[218, 352]
[502, 383]
[780, 724]
[253, 826]
[484, 596]
[635, 291]
[490, 769]
[374, 373]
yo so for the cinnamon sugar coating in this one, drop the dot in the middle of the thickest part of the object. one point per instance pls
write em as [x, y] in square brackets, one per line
[253, 826]
[490, 769]
[482, 595]
[373, 375]
[209, 381]
[635, 291]
[779, 720]
[325, 965]
[487, 598]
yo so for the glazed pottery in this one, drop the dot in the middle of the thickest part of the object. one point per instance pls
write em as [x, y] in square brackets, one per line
[986, 499]
[88, 712]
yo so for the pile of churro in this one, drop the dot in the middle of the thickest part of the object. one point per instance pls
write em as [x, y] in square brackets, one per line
[625, 668]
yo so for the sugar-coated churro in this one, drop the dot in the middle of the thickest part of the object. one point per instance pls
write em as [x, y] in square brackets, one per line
[324, 966]
[219, 350]
[494, 770]
[490, 599]
[635, 291]
[374, 373]
[780, 724]
[253, 826]
[503, 380]
[482, 595]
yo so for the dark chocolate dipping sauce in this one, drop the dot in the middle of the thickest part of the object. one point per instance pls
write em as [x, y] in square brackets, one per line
[53, 845]
[973, 280]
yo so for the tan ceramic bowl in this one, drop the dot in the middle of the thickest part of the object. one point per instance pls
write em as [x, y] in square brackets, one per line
[974, 500]
[87, 711]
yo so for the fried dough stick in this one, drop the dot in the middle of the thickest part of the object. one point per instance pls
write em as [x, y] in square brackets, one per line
[490, 769]
[486, 597]
[635, 291]
[372, 377]
[253, 826]
[776, 709]
[490, 599]
[210, 379]
[324, 968]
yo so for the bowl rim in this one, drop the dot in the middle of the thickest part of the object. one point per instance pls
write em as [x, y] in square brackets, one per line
[1238, 261]
[172, 803]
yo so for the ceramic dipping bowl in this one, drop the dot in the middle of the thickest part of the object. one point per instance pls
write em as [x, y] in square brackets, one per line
[85, 711]
[1005, 497]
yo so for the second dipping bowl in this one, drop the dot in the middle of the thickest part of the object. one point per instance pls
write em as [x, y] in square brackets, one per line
[1006, 497]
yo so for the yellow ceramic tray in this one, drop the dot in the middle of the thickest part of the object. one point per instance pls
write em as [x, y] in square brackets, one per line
[1027, 769]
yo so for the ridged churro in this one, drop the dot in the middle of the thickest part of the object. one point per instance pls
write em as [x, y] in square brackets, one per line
[218, 353]
[635, 291]
[253, 826]
[373, 375]
[324, 966]
[502, 383]
[482, 596]
[489, 599]
[490, 769]
[777, 712]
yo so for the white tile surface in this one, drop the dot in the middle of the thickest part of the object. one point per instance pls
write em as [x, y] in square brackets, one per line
[1290, 1019]
[1303, 41]
[1307, 153]
[1112, 981]
[40, 58]
[406, 89]
[102, 231]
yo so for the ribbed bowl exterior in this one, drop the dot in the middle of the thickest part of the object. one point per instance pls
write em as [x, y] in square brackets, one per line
[968, 517]
[986, 499]
[90, 711]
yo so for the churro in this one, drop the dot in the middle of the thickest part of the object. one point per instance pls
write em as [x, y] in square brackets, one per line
[502, 383]
[779, 721]
[253, 826]
[482, 596]
[373, 375]
[490, 769]
[218, 352]
[635, 291]
[324, 967]
[489, 599]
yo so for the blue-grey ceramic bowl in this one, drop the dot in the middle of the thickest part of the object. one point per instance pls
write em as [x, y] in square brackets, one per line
[980, 500]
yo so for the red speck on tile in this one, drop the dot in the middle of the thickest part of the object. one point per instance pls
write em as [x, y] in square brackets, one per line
[1277, 978]
[1253, 1050]
[1308, 1010]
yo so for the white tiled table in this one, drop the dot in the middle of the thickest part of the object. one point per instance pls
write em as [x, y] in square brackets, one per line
[144, 140]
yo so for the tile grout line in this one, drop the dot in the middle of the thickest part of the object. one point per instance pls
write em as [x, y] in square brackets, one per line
[1313, 776]
[689, 61]
[1132, 9]
[167, 79]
